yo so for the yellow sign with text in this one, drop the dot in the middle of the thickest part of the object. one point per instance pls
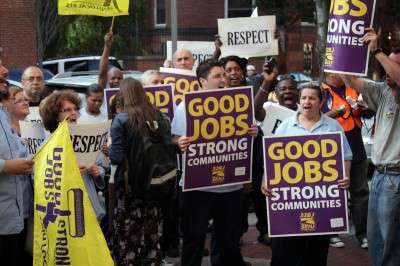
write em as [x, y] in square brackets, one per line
[66, 231]
[103, 8]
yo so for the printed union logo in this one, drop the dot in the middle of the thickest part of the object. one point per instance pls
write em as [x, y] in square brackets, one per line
[329, 56]
[94, 3]
[74, 213]
[307, 221]
[218, 174]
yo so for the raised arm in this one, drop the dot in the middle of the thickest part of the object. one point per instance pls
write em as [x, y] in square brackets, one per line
[108, 39]
[391, 67]
[354, 82]
[218, 44]
[269, 80]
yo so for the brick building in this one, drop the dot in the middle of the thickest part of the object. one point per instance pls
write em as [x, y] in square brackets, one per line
[18, 46]
[197, 21]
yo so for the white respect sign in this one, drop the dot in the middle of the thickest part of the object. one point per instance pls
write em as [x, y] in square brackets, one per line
[88, 140]
[248, 37]
[33, 135]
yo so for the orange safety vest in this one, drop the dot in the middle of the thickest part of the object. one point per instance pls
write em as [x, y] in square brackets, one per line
[351, 117]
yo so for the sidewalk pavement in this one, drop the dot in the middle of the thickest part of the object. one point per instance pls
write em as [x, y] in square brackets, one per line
[260, 255]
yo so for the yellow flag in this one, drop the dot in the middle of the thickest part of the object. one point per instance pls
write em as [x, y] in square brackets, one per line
[66, 231]
[103, 8]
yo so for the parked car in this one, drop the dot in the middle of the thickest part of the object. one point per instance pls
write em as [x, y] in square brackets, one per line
[299, 77]
[16, 74]
[77, 63]
[14, 83]
[79, 81]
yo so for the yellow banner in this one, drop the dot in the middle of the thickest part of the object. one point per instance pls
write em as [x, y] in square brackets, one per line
[66, 231]
[103, 8]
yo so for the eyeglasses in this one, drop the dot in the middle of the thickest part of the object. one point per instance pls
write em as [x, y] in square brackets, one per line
[19, 101]
[32, 78]
[70, 110]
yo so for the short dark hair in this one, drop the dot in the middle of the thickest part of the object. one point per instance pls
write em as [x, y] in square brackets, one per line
[242, 62]
[285, 77]
[203, 70]
[395, 50]
[94, 88]
[313, 85]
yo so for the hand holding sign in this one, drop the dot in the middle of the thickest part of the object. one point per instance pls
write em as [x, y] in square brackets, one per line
[94, 170]
[183, 143]
[344, 183]
[253, 130]
[108, 39]
[371, 38]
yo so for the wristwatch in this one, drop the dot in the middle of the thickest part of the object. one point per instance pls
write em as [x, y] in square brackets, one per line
[376, 51]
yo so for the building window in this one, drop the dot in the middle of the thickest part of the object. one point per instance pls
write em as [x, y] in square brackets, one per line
[308, 57]
[159, 13]
[239, 8]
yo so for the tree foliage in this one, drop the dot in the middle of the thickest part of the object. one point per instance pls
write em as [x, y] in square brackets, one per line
[79, 35]
[50, 26]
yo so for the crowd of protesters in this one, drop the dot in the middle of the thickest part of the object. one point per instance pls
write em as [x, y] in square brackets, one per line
[142, 232]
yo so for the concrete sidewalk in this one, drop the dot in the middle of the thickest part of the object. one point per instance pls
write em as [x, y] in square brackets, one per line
[258, 254]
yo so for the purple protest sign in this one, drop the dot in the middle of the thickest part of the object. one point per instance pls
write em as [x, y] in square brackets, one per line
[345, 52]
[220, 151]
[109, 95]
[303, 174]
[162, 97]
[182, 81]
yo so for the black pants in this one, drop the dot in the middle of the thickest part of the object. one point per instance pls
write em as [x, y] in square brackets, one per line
[171, 217]
[300, 251]
[9, 249]
[359, 195]
[225, 210]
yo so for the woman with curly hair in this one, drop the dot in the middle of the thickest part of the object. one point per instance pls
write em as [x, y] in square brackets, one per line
[64, 105]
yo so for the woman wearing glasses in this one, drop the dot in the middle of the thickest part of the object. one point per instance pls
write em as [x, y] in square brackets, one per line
[62, 105]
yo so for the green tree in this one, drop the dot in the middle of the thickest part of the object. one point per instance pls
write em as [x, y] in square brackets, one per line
[78, 35]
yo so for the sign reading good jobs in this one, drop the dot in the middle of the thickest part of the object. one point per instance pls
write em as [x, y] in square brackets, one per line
[303, 174]
[345, 52]
[182, 81]
[220, 152]
[161, 96]
[248, 37]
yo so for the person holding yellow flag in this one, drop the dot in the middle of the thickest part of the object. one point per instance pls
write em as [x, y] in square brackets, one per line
[64, 105]
[66, 231]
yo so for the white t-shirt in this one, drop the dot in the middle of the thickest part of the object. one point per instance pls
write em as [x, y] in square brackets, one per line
[87, 118]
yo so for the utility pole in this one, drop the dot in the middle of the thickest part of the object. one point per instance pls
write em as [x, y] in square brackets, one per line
[174, 25]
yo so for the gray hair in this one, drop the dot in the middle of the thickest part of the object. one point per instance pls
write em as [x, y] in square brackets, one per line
[147, 75]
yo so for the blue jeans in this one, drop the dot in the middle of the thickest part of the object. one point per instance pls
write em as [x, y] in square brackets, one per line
[383, 229]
